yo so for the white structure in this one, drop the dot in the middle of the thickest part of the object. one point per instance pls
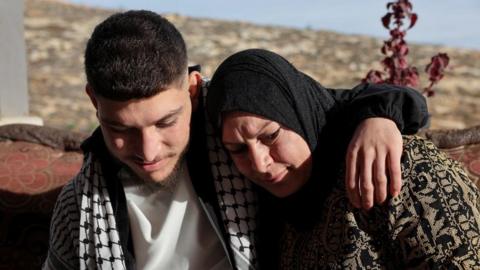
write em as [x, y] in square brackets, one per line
[13, 66]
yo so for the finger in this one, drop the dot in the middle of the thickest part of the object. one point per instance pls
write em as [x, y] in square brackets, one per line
[352, 178]
[380, 179]
[366, 185]
[395, 172]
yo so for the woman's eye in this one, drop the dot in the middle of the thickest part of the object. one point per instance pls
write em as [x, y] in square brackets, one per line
[272, 137]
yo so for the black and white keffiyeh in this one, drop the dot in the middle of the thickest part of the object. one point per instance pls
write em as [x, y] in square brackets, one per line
[237, 199]
[84, 233]
[99, 239]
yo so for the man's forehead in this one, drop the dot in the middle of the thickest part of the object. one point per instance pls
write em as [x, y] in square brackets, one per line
[145, 109]
[152, 119]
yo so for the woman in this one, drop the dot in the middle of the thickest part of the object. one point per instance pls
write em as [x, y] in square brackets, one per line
[282, 133]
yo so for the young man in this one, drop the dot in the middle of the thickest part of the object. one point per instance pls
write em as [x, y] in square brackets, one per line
[147, 196]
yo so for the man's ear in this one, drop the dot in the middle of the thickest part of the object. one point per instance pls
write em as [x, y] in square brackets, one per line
[91, 95]
[195, 85]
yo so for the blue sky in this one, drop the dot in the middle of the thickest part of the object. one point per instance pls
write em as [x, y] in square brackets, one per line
[447, 22]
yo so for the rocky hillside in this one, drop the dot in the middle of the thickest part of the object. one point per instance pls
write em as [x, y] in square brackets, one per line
[56, 33]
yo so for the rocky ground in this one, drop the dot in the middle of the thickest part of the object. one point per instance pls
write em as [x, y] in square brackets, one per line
[56, 33]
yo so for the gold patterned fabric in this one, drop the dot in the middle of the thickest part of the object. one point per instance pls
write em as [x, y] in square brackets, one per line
[433, 224]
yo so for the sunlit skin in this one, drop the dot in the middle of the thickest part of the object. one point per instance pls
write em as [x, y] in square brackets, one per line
[272, 156]
[149, 135]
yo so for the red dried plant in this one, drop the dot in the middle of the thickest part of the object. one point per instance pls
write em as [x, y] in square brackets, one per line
[396, 50]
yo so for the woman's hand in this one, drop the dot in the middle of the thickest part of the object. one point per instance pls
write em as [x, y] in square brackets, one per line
[373, 162]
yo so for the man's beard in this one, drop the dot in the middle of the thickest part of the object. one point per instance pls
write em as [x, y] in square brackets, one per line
[170, 181]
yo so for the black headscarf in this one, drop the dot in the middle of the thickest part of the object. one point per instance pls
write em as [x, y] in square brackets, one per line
[264, 83]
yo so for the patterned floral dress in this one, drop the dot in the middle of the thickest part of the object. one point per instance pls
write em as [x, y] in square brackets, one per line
[433, 224]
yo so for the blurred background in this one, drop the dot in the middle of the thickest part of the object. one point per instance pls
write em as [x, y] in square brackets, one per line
[444, 22]
[336, 42]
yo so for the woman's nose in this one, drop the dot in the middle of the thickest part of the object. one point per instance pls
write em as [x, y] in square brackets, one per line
[260, 158]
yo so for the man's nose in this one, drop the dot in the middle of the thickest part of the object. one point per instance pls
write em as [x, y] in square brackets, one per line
[150, 144]
[260, 158]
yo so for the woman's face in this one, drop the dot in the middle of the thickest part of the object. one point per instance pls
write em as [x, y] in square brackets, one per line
[274, 157]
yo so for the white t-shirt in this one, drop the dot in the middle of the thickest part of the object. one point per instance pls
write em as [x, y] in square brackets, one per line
[169, 229]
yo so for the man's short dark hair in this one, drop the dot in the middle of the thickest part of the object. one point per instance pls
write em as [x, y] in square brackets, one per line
[135, 54]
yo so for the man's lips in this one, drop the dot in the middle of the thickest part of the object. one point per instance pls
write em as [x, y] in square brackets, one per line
[152, 166]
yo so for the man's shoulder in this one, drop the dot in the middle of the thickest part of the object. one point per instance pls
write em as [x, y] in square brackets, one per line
[64, 229]
[68, 200]
[71, 192]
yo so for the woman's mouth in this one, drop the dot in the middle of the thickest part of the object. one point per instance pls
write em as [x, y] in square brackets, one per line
[278, 177]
